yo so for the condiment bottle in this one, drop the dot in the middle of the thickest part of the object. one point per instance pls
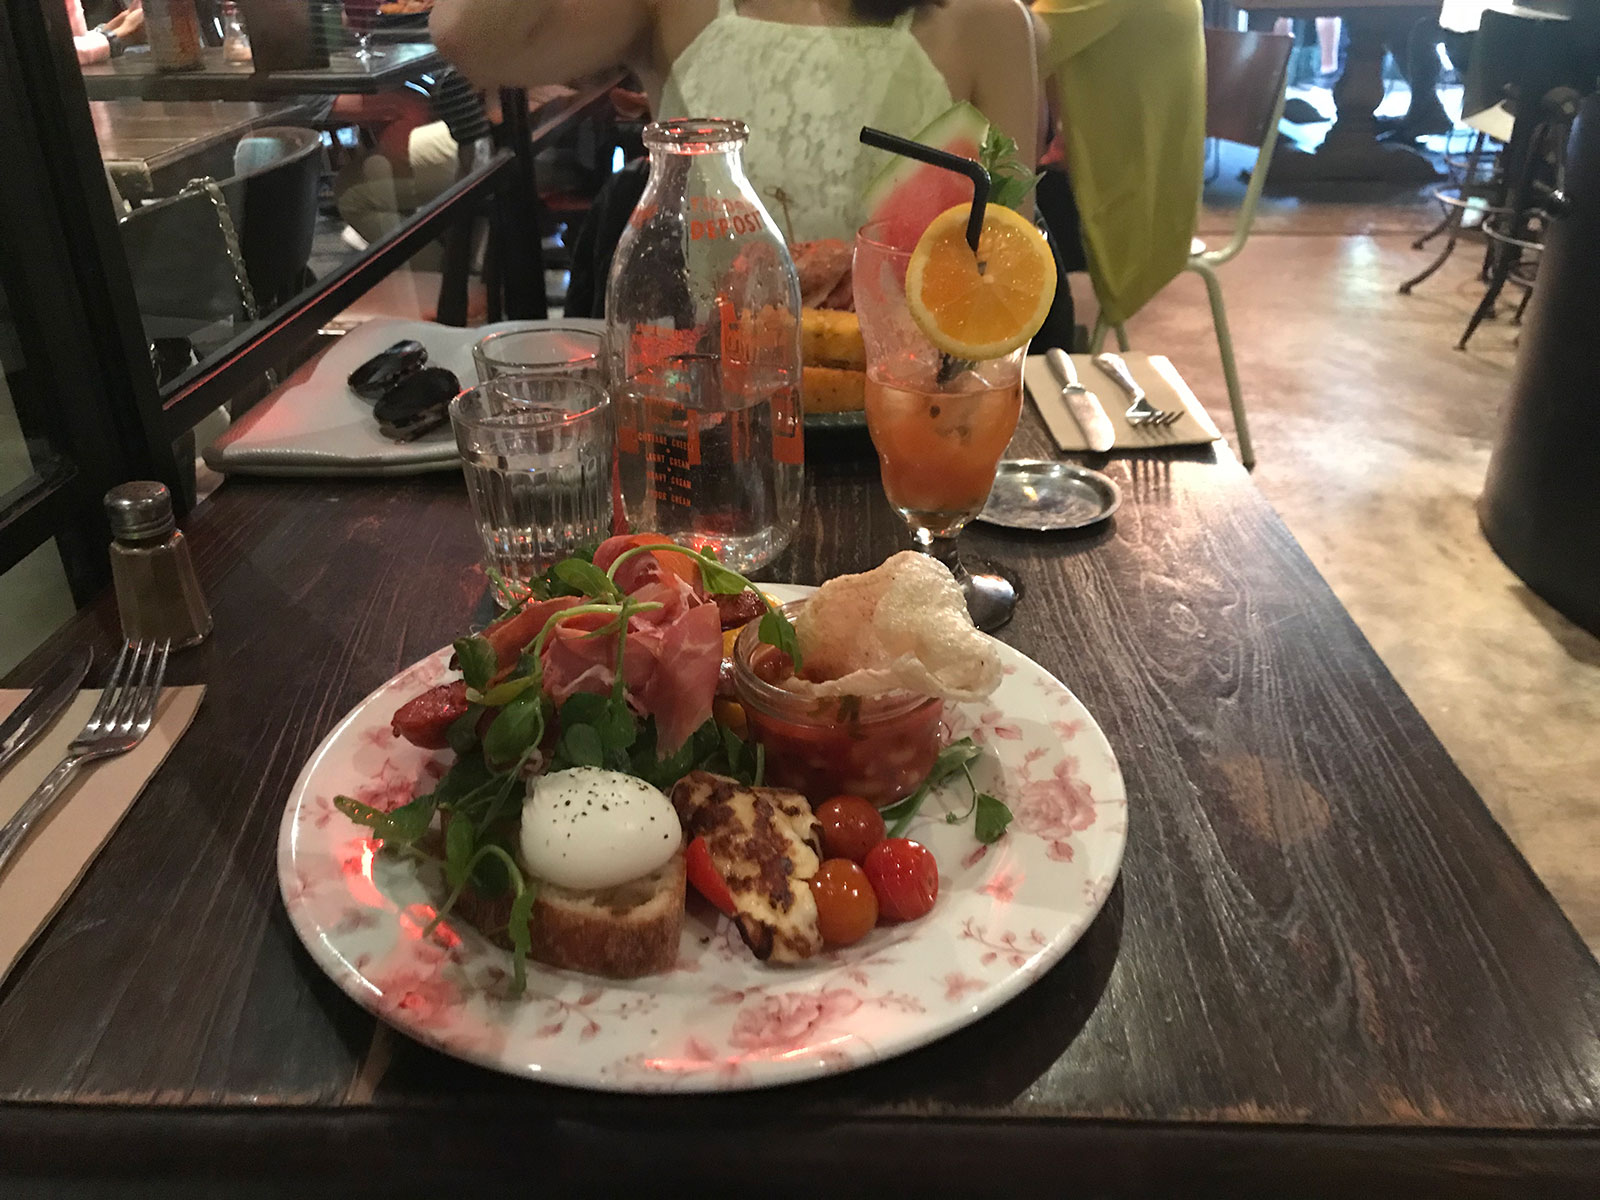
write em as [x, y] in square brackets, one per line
[173, 27]
[158, 596]
[235, 41]
[703, 334]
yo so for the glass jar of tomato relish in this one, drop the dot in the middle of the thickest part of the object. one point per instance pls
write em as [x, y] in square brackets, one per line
[876, 747]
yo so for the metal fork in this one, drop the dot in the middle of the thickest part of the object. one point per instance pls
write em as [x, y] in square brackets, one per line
[118, 724]
[1141, 411]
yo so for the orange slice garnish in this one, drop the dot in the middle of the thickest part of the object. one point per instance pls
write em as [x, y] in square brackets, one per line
[984, 305]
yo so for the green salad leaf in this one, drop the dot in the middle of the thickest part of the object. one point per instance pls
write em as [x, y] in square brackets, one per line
[718, 579]
[586, 579]
[992, 816]
[478, 661]
[517, 729]
[402, 826]
[521, 936]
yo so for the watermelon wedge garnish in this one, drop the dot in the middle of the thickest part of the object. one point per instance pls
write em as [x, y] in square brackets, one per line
[907, 195]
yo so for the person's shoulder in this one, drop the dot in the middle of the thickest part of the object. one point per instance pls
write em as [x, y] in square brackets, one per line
[1012, 10]
[980, 16]
[989, 22]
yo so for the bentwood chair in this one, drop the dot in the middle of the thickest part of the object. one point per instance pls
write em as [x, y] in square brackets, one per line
[1246, 74]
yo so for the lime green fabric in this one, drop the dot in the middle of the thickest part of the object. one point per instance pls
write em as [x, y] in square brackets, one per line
[1132, 78]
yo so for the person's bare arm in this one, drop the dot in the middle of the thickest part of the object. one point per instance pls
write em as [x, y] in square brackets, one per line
[1006, 70]
[511, 43]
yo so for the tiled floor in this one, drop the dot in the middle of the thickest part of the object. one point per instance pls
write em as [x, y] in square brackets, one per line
[1373, 434]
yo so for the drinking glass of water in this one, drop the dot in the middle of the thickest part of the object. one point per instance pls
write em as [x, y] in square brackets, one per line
[538, 453]
[545, 349]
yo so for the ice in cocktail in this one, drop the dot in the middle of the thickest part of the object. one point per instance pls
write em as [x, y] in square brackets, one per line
[938, 446]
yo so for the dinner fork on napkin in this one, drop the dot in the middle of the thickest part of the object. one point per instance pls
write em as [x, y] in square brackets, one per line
[118, 724]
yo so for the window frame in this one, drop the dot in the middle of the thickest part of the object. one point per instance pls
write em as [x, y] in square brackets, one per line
[91, 389]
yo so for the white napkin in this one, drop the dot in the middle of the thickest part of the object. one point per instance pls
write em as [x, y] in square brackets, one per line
[1153, 372]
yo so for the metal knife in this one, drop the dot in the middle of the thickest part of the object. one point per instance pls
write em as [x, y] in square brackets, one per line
[43, 705]
[1082, 403]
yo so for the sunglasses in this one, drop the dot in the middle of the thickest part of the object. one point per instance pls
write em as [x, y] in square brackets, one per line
[409, 397]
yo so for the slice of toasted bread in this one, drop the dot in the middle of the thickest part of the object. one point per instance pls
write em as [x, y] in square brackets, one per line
[829, 338]
[831, 390]
[621, 932]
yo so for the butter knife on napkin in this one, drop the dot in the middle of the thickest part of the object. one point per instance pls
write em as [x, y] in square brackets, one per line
[1082, 403]
[43, 705]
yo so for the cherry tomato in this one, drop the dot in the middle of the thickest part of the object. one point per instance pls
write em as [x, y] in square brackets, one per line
[847, 909]
[905, 877]
[705, 877]
[851, 826]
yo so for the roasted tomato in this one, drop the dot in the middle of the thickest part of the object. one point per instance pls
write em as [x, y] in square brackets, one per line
[739, 610]
[425, 720]
[847, 907]
[905, 877]
[705, 878]
[851, 827]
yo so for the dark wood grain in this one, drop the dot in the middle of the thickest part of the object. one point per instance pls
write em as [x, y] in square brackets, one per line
[1324, 965]
[153, 147]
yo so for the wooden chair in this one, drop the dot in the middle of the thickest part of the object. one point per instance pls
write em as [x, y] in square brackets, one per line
[1246, 75]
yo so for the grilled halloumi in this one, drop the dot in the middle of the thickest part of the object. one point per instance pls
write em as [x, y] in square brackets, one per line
[766, 843]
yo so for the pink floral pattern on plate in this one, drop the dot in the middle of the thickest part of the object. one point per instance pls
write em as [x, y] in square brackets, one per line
[720, 1020]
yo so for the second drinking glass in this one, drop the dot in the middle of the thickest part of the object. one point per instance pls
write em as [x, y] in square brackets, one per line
[538, 453]
[542, 350]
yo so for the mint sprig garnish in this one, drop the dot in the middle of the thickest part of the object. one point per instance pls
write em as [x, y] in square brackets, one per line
[1010, 179]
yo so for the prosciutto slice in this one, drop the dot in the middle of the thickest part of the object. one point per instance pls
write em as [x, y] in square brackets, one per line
[671, 661]
[512, 635]
[680, 691]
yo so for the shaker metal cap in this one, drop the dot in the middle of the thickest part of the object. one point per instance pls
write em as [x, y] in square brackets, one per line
[140, 510]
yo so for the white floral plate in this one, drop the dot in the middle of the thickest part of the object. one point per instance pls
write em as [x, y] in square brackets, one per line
[721, 1021]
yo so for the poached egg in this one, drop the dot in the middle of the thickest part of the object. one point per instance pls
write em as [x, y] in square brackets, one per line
[590, 828]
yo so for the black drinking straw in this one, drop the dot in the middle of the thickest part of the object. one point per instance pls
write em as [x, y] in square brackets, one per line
[969, 167]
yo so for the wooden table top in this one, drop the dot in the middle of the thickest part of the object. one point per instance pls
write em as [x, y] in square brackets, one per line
[134, 76]
[1324, 967]
[143, 141]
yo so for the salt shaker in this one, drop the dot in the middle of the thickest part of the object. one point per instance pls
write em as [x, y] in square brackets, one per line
[158, 596]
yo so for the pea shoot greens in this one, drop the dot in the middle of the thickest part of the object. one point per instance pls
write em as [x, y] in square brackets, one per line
[510, 723]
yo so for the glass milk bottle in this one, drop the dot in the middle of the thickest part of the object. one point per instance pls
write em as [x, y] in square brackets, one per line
[703, 325]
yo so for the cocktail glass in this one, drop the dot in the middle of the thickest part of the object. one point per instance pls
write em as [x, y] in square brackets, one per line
[361, 16]
[940, 425]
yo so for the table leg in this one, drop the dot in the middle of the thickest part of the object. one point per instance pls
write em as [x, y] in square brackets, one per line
[1351, 151]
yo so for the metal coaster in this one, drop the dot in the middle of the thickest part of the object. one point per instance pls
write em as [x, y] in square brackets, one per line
[1032, 493]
